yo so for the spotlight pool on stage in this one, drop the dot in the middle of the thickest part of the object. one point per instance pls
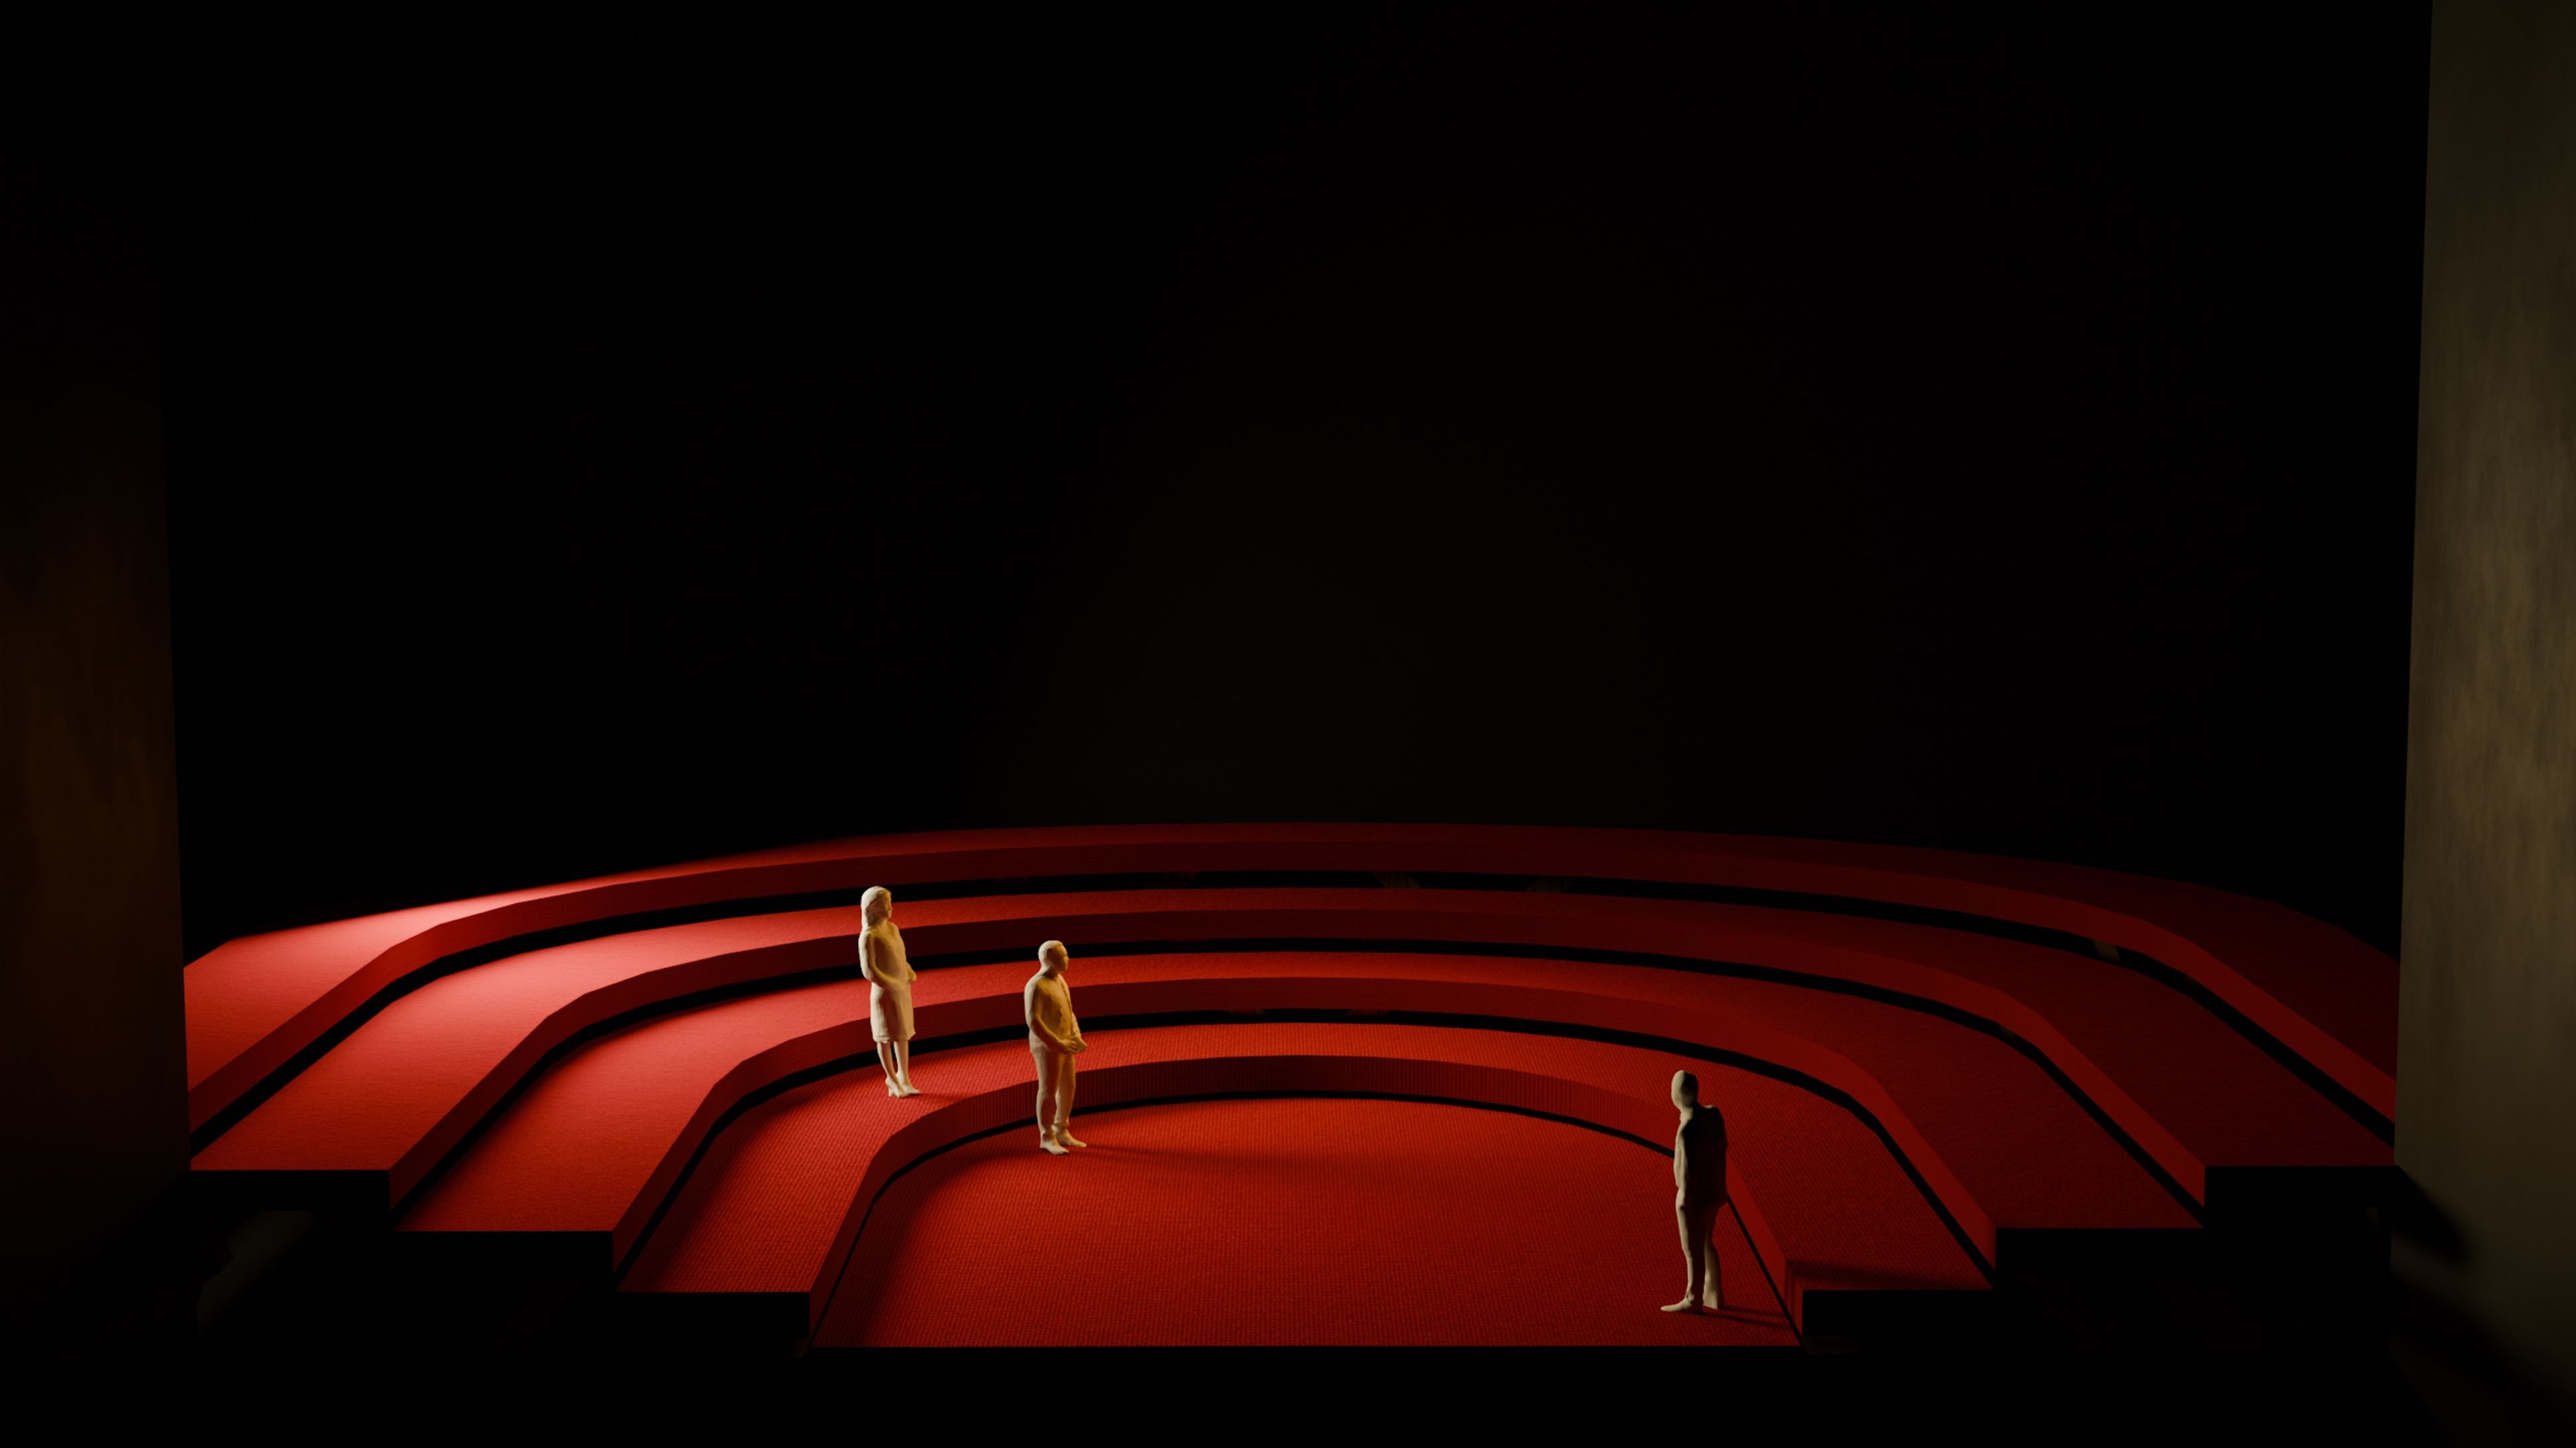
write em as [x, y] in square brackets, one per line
[1289, 1221]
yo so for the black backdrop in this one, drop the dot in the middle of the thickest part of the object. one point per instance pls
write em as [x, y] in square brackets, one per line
[590, 450]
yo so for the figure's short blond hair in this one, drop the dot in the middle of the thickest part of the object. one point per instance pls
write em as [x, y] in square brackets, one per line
[1052, 950]
[871, 896]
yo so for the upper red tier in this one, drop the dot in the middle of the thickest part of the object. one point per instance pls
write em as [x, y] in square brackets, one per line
[254, 1003]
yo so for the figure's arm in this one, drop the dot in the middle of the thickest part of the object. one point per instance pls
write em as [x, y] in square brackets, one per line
[1071, 1045]
[867, 955]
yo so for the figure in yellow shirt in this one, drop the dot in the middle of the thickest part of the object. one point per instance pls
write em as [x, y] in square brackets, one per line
[1055, 1038]
[890, 975]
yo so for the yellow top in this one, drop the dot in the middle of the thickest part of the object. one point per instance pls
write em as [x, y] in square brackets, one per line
[1050, 1011]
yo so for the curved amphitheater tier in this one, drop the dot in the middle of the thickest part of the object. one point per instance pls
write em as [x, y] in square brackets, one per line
[688, 1107]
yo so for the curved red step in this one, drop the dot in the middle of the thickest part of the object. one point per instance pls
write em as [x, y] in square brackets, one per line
[400, 1092]
[1194, 1223]
[254, 1003]
[590, 1150]
[769, 1216]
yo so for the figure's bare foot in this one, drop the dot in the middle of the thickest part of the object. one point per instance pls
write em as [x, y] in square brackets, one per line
[893, 1087]
[1685, 1305]
[1711, 1304]
[1067, 1138]
[1048, 1145]
[909, 1090]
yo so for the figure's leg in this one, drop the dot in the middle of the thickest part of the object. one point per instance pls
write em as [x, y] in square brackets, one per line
[1706, 1235]
[1690, 1265]
[1046, 1100]
[1064, 1105]
[903, 1063]
[892, 1066]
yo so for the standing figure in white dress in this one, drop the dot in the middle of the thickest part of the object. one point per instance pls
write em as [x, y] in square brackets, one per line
[890, 977]
[1055, 1038]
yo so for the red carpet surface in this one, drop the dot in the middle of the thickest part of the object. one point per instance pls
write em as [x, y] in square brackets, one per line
[774, 1210]
[1285, 1222]
[254, 1002]
[593, 1143]
[410, 1083]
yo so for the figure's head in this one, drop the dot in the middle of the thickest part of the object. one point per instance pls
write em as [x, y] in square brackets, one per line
[876, 904]
[1685, 1090]
[1051, 957]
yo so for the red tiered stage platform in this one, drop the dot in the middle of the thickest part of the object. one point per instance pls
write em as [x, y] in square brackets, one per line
[691, 1109]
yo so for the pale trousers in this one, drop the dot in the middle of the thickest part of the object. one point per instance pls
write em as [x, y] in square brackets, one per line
[1055, 1087]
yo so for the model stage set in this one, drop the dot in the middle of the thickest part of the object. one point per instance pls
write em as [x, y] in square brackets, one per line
[1337, 1085]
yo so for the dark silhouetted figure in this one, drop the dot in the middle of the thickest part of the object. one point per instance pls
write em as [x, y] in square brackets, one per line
[1699, 1171]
